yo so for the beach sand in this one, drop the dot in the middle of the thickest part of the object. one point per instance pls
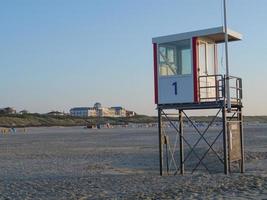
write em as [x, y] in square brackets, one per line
[119, 163]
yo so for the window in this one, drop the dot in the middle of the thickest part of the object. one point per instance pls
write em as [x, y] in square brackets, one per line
[211, 60]
[202, 59]
[175, 58]
[206, 58]
[167, 60]
[186, 61]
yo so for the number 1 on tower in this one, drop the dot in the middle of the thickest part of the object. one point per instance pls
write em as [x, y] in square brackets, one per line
[175, 87]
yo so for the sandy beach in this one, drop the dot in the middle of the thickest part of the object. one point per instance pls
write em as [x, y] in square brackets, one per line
[119, 163]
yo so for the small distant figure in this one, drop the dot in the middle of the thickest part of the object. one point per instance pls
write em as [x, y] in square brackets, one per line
[13, 129]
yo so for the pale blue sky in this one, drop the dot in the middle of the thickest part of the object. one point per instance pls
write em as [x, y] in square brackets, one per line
[57, 54]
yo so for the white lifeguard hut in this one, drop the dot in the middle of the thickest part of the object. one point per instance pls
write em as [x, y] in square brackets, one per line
[187, 77]
[186, 66]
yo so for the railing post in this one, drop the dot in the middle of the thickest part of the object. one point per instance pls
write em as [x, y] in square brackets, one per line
[216, 88]
[199, 91]
[241, 89]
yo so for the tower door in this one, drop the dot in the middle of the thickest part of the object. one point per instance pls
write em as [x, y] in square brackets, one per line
[206, 67]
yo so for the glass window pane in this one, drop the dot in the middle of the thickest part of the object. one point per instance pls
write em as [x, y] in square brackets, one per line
[170, 55]
[162, 53]
[202, 59]
[167, 58]
[175, 58]
[210, 61]
[186, 61]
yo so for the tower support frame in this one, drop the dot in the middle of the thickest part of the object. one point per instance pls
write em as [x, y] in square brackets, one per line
[226, 118]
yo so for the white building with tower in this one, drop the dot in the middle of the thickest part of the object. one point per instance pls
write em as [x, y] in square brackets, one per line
[98, 111]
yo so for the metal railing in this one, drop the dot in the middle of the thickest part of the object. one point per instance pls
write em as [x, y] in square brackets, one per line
[235, 86]
[212, 88]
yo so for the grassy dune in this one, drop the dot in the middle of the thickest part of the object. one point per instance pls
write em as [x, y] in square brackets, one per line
[27, 120]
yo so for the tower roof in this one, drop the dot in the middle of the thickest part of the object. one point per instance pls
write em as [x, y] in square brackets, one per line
[216, 34]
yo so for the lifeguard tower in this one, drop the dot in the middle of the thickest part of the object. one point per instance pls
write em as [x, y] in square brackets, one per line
[187, 77]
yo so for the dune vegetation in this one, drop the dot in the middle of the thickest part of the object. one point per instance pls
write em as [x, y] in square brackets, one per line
[35, 120]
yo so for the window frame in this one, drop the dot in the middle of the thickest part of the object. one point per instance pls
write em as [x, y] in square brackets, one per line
[207, 42]
[175, 51]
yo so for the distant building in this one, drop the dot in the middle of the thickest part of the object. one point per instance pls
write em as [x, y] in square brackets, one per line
[56, 113]
[105, 112]
[130, 113]
[119, 111]
[7, 110]
[97, 106]
[98, 111]
[83, 112]
[24, 112]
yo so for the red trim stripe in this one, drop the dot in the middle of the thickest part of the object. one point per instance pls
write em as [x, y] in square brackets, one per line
[155, 54]
[195, 69]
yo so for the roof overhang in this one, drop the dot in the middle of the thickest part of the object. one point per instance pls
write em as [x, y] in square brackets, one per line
[216, 34]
